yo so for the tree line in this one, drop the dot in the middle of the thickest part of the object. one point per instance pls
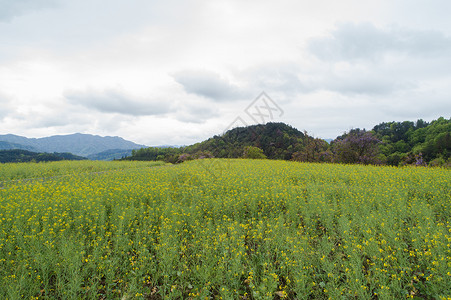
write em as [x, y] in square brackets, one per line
[391, 143]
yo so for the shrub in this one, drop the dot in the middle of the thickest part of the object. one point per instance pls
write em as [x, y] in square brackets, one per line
[253, 153]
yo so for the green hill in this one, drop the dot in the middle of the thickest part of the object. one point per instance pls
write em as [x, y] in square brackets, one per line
[277, 140]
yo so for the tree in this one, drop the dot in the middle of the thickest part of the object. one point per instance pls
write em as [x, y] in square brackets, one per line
[315, 150]
[357, 147]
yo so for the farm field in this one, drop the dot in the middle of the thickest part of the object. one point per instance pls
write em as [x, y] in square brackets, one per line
[218, 228]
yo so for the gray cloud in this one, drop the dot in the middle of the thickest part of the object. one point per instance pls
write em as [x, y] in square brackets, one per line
[366, 82]
[72, 118]
[363, 59]
[289, 79]
[193, 110]
[209, 84]
[14, 8]
[276, 77]
[59, 118]
[350, 42]
[116, 101]
[195, 113]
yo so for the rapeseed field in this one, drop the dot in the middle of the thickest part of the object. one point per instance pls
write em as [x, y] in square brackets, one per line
[224, 229]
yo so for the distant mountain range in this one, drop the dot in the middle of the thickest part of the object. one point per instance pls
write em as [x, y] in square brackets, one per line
[18, 155]
[86, 145]
[10, 146]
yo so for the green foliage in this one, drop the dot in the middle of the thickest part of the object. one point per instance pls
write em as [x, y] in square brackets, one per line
[356, 147]
[313, 150]
[402, 141]
[274, 139]
[253, 153]
[154, 153]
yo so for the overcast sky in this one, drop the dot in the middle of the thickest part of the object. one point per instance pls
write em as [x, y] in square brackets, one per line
[178, 72]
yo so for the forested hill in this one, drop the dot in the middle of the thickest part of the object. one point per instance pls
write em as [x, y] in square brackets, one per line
[277, 140]
[392, 143]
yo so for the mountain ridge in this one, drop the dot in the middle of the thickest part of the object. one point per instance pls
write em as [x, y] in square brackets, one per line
[20, 155]
[80, 144]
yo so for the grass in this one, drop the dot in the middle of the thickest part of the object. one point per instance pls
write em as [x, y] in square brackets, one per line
[231, 229]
